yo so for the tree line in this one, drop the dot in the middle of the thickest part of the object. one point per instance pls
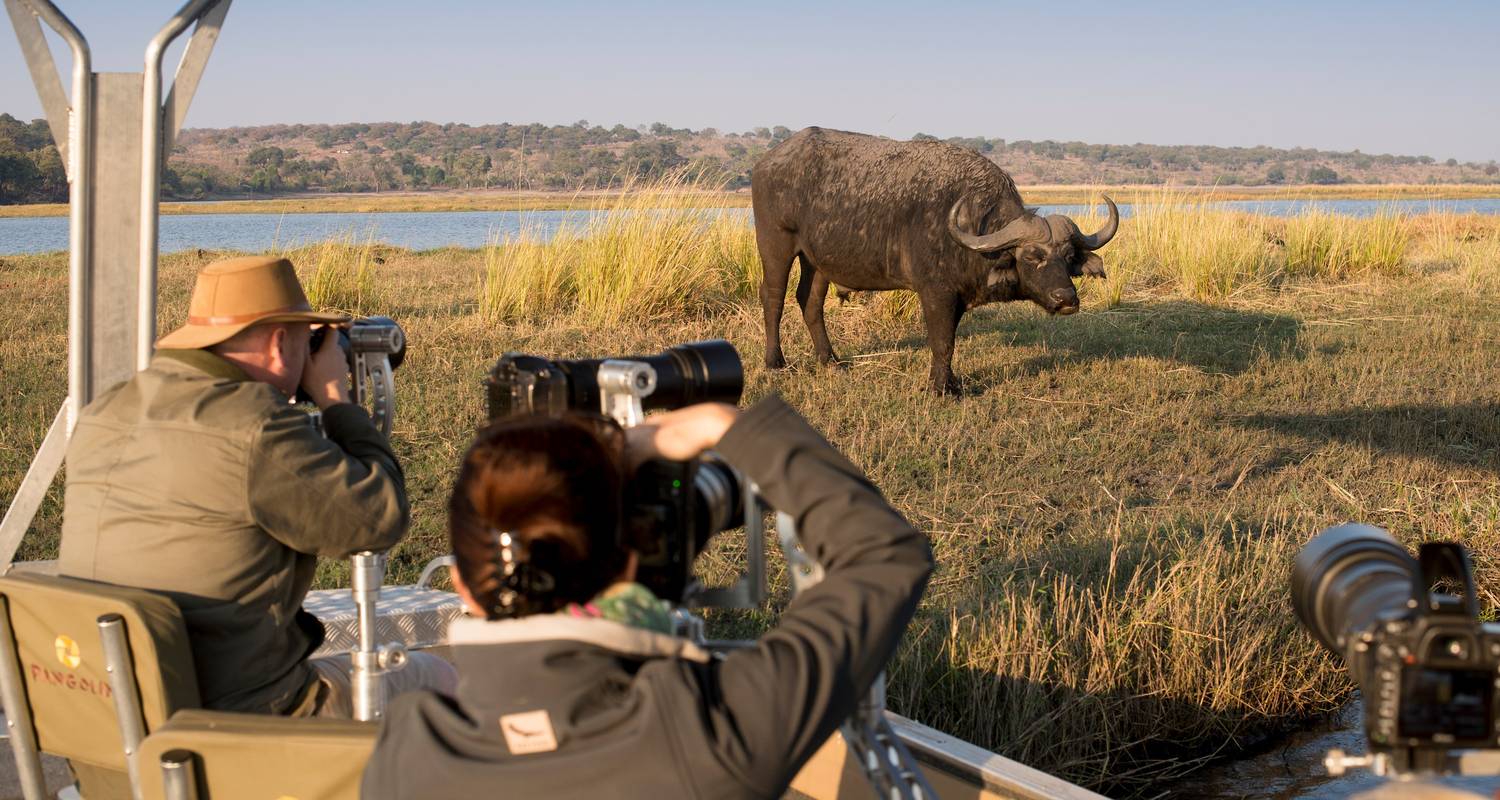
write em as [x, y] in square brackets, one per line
[418, 156]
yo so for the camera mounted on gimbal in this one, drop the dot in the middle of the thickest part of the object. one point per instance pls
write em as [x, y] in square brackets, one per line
[673, 508]
[373, 347]
[1426, 668]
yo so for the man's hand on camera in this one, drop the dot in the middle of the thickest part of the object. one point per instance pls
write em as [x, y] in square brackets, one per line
[325, 376]
[680, 435]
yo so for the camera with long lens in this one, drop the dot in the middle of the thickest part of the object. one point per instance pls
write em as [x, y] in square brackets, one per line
[373, 347]
[673, 508]
[1426, 668]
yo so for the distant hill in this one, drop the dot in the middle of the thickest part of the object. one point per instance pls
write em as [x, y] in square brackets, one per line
[385, 156]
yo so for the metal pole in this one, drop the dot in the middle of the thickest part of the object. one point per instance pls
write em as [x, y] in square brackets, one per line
[179, 775]
[121, 670]
[367, 571]
[18, 712]
[151, 157]
[80, 168]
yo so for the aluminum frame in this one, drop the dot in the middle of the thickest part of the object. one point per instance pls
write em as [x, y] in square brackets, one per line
[128, 711]
[18, 712]
[179, 775]
[76, 125]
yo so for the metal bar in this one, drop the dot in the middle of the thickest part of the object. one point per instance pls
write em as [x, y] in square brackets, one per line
[18, 712]
[43, 71]
[431, 570]
[117, 661]
[33, 487]
[190, 72]
[179, 775]
[80, 180]
[367, 570]
[151, 157]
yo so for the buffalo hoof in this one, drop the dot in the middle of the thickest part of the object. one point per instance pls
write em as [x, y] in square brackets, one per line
[775, 361]
[947, 388]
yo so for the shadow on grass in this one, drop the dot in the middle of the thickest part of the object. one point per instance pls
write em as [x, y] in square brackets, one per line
[1209, 338]
[1467, 435]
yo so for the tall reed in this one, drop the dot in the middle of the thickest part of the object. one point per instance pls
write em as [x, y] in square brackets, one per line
[340, 274]
[661, 248]
[1181, 242]
[1320, 243]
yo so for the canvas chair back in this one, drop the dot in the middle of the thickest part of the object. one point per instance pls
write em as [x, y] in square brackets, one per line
[57, 647]
[254, 757]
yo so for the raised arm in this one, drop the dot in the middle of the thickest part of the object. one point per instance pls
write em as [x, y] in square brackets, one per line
[774, 704]
[327, 496]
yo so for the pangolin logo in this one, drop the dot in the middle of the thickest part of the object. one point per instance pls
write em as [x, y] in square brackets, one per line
[67, 652]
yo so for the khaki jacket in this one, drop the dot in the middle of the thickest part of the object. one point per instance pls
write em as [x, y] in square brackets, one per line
[194, 480]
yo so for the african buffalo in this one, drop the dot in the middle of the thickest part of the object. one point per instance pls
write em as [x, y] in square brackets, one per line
[871, 213]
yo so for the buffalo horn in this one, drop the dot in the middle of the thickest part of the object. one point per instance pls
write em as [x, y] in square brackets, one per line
[1100, 238]
[1017, 230]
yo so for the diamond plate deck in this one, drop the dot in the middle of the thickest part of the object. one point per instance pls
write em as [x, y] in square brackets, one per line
[414, 616]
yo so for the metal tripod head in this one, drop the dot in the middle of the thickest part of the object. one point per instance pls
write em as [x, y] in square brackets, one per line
[112, 130]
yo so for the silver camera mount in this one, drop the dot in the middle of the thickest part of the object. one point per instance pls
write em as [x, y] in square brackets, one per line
[372, 347]
[370, 662]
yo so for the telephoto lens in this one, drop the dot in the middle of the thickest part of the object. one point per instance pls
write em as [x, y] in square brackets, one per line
[697, 372]
[1345, 581]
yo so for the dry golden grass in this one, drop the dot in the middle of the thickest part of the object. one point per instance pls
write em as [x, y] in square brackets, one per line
[647, 254]
[1113, 504]
[340, 274]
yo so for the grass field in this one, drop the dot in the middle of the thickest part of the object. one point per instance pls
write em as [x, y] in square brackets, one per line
[1114, 502]
[509, 200]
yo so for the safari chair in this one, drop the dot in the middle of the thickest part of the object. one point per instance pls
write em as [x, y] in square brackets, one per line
[102, 675]
[86, 670]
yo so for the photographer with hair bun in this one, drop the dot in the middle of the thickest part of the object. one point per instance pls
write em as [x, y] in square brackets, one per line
[571, 681]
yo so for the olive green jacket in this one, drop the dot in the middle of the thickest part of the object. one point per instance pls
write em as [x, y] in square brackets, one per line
[194, 480]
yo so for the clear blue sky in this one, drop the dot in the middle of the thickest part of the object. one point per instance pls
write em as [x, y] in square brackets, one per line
[1409, 78]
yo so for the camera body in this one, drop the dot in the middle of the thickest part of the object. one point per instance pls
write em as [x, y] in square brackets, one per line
[1432, 683]
[1427, 668]
[672, 508]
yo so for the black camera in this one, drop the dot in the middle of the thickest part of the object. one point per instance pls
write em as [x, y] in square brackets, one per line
[1425, 666]
[673, 508]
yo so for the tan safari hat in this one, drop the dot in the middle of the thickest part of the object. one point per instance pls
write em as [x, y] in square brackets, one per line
[233, 294]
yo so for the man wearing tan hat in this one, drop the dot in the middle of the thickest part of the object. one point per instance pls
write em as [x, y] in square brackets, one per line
[198, 479]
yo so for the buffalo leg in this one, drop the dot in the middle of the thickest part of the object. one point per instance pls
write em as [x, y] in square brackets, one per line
[812, 292]
[941, 311]
[776, 254]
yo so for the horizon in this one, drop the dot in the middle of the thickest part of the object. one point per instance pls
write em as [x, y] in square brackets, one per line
[1381, 78]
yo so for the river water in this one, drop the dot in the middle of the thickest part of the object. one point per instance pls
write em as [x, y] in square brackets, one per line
[1292, 769]
[434, 229]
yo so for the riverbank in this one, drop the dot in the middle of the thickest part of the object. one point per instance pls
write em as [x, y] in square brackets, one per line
[480, 200]
[1114, 502]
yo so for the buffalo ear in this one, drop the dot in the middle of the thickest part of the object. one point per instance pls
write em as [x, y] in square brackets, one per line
[1090, 264]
